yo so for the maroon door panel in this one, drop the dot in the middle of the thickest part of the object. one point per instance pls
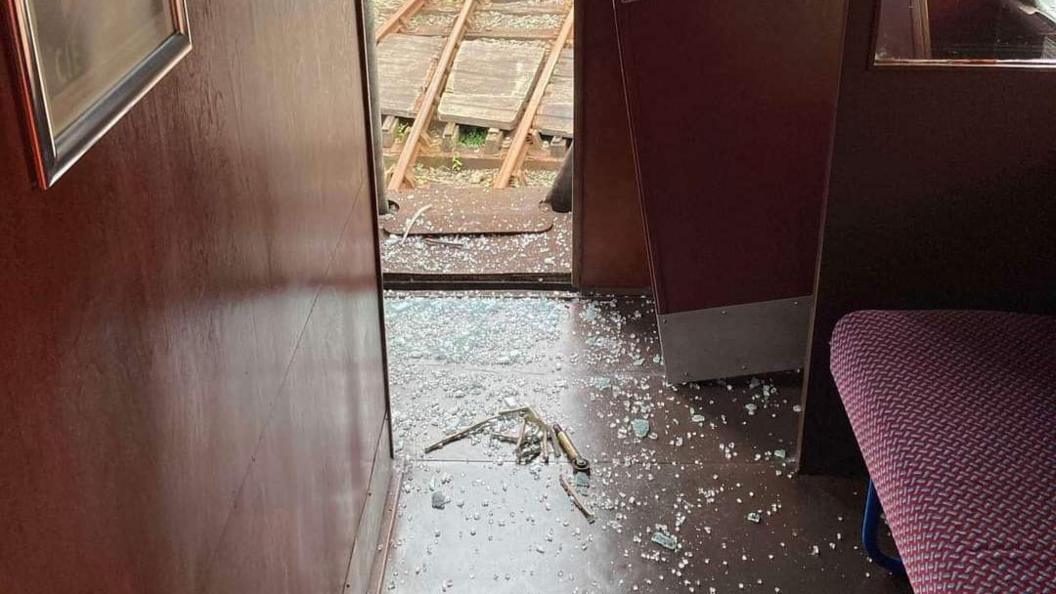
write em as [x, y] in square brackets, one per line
[731, 107]
[609, 236]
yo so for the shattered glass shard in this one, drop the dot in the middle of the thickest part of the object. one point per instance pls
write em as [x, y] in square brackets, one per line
[640, 428]
[665, 540]
[439, 500]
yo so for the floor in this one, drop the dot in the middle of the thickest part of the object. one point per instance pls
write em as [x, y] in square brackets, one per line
[526, 257]
[703, 501]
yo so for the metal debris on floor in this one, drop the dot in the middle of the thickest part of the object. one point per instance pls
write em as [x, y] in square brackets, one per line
[706, 503]
[577, 499]
[533, 440]
[578, 462]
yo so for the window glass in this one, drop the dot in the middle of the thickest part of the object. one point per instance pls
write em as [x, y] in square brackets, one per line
[86, 47]
[966, 31]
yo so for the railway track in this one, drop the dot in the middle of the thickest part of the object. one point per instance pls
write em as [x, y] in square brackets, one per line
[418, 136]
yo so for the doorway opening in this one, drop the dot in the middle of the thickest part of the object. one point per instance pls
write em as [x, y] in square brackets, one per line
[475, 102]
[539, 443]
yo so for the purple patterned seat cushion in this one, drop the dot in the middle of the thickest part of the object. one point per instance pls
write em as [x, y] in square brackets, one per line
[955, 412]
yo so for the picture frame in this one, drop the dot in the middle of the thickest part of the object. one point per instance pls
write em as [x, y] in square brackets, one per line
[83, 65]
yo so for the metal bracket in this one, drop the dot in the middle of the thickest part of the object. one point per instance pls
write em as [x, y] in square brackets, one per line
[870, 524]
[735, 340]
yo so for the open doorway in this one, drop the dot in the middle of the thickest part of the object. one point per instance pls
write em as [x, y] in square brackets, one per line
[475, 103]
[540, 443]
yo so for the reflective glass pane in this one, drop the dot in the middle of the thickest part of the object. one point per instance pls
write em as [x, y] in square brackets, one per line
[84, 48]
[967, 31]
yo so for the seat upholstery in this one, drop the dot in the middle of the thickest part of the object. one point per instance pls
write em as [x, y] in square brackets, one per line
[955, 413]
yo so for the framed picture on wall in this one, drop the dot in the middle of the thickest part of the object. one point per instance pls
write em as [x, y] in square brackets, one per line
[84, 64]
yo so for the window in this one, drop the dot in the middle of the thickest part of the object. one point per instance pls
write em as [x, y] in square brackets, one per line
[966, 32]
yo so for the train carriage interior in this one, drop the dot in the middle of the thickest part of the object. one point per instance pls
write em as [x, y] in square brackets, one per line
[482, 296]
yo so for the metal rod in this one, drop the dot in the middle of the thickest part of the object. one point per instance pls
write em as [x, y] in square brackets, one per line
[579, 463]
[425, 113]
[395, 20]
[476, 427]
[520, 436]
[516, 153]
[414, 219]
[579, 503]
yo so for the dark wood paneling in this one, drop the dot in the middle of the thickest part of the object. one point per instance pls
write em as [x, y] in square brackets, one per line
[732, 105]
[941, 196]
[374, 524]
[609, 237]
[191, 378]
[960, 22]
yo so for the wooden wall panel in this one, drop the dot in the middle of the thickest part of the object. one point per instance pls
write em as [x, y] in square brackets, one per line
[940, 196]
[191, 376]
[302, 499]
[610, 247]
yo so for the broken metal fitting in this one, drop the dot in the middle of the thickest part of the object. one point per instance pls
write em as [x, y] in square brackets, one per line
[579, 463]
[577, 500]
[527, 440]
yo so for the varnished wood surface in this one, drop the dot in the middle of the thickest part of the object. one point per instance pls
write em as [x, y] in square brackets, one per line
[191, 360]
[610, 239]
